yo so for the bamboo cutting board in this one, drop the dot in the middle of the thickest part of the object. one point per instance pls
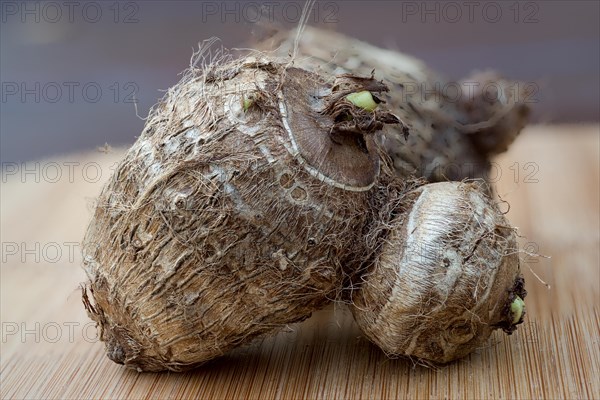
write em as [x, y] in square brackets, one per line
[550, 178]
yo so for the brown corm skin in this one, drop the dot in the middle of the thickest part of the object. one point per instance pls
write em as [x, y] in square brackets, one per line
[221, 224]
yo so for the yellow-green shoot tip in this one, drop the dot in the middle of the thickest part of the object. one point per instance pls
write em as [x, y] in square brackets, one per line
[363, 100]
[247, 103]
[516, 308]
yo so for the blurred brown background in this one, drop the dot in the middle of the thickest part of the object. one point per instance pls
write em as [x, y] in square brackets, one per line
[71, 71]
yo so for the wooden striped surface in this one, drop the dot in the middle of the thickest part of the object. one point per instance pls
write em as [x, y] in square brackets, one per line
[551, 180]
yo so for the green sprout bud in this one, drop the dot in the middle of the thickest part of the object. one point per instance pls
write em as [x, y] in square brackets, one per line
[363, 100]
[247, 103]
[516, 308]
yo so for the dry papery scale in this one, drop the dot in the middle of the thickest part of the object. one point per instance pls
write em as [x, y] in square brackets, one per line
[253, 197]
[450, 131]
